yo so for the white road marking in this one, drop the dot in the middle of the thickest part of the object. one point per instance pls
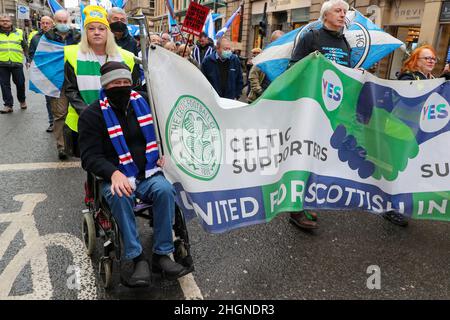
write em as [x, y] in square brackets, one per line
[190, 289]
[35, 253]
[37, 244]
[187, 283]
[39, 166]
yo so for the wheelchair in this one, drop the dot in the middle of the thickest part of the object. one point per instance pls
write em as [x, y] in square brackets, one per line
[98, 222]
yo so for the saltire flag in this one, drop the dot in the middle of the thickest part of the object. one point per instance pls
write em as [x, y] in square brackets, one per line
[321, 136]
[209, 27]
[224, 30]
[171, 12]
[173, 25]
[83, 16]
[369, 45]
[133, 30]
[369, 42]
[47, 68]
[119, 3]
[54, 6]
[106, 4]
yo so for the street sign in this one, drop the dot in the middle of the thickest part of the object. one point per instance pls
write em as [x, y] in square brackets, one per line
[23, 12]
[195, 19]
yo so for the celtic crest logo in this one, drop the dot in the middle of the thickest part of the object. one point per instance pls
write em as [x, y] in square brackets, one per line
[193, 137]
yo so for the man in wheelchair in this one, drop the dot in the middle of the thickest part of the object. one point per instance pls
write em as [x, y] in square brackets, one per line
[117, 142]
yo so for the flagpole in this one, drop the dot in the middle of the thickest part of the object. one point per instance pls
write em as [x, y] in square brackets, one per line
[143, 40]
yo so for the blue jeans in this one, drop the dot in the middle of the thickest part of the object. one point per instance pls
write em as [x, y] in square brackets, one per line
[161, 193]
[49, 109]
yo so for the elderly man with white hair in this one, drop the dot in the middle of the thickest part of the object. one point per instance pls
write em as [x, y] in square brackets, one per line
[117, 19]
[331, 42]
[330, 39]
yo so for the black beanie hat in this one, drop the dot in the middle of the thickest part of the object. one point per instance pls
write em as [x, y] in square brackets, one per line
[113, 70]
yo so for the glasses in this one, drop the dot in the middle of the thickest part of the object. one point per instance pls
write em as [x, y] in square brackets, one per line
[429, 59]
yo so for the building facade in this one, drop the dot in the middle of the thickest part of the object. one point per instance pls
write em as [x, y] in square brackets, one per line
[147, 7]
[38, 8]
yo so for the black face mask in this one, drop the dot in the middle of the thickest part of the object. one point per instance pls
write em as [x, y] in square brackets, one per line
[119, 97]
[118, 26]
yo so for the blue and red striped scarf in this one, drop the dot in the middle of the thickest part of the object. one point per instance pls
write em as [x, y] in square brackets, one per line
[145, 119]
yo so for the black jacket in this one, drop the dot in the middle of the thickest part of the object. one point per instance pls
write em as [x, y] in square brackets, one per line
[128, 43]
[98, 155]
[72, 93]
[446, 76]
[412, 75]
[331, 44]
[73, 37]
[34, 43]
[224, 76]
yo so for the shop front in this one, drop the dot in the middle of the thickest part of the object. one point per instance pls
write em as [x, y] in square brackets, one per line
[283, 15]
[443, 44]
[404, 23]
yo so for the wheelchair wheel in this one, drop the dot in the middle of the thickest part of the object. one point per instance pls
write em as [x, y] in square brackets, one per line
[88, 232]
[105, 272]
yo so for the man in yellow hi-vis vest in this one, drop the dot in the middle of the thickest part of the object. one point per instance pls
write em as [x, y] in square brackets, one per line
[83, 62]
[13, 48]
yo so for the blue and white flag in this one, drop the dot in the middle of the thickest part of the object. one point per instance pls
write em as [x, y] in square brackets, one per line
[224, 30]
[119, 3]
[173, 25]
[209, 27]
[369, 45]
[83, 16]
[133, 30]
[369, 42]
[54, 6]
[47, 68]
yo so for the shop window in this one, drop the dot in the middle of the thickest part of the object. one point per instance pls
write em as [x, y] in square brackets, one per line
[410, 36]
[257, 42]
[297, 25]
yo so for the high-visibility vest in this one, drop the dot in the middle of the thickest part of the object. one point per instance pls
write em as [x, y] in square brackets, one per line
[31, 35]
[11, 46]
[70, 56]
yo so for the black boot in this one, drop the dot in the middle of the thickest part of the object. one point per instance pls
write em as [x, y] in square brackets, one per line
[167, 267]
[396, 218]
[141, 274]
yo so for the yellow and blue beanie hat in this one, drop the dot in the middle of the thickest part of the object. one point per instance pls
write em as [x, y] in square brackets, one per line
[95, 14]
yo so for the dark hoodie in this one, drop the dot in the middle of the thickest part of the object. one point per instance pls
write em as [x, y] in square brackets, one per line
[332, 44]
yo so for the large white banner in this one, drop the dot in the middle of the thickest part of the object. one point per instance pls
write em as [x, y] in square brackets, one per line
[321, 137]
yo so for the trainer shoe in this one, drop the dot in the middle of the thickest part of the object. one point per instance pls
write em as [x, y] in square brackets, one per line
[6, 109]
